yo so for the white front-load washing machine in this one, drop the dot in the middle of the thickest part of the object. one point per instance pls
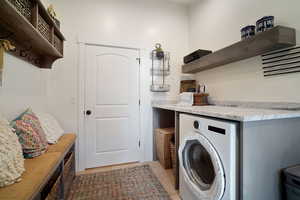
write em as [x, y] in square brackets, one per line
[208, 158]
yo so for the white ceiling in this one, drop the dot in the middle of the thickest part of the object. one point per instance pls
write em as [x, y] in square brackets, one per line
[183, 1]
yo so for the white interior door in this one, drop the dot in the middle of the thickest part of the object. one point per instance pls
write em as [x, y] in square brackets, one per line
[112, 97]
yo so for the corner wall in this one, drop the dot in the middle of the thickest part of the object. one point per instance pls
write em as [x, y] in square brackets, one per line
[215, 24]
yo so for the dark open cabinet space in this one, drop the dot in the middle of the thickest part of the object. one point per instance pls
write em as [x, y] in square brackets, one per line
[31, 29]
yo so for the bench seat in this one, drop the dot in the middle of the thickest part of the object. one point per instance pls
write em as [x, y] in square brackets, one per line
[63, 145]
[38, 171]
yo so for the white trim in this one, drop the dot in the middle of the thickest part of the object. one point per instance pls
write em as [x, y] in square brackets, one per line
[81, 102]
[81, 163]
[113, 44]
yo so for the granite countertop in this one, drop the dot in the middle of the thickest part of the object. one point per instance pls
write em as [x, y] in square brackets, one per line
[242, 114]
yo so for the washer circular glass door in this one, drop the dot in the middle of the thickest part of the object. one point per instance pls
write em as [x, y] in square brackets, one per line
[202, 167]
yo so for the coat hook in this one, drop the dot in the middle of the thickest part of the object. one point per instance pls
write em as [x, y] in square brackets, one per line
[6, 37]
[37, 61]
[23, 52]
[14, 50]
[28, 49]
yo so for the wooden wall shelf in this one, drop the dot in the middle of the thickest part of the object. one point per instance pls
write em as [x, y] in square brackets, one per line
[276, 38]
[37, 38]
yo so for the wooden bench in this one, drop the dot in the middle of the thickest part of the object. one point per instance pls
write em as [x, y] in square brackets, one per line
[48, 176]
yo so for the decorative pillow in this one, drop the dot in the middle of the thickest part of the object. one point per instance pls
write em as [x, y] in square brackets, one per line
[30, 133]
[11, 158]
[50, 126]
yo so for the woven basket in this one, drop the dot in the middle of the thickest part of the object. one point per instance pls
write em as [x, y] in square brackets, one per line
[58, 44]
[44, 28]
[24, 7]
[162, 140]
[173, 157]
[69, 174]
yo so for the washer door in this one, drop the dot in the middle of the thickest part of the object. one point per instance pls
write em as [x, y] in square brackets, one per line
[202, 168]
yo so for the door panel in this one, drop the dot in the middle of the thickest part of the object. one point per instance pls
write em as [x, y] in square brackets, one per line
[112, 93]
[112, 79]
[113, 135]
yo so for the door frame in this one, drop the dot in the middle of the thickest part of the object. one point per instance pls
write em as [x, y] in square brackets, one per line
[81, 142]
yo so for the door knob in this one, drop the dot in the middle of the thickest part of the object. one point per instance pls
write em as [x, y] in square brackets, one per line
[88, 112]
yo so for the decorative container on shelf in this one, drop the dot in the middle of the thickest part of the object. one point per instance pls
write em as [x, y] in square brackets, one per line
[247, 32]
[264, 24]
[160, 69]
[53, 15]
[24, 7]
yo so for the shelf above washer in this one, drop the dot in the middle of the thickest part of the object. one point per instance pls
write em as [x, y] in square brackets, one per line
[276, 38]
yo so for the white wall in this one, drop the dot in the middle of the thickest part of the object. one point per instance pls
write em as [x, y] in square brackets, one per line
[130, 23]
[215, 24]
[24, 86]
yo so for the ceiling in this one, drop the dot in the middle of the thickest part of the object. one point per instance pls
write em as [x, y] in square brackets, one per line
[183, 1]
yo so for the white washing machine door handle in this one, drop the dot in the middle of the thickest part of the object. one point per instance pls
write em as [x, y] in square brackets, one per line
[217, 189]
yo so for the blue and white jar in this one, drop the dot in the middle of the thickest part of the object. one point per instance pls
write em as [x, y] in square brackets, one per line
[248, 31]
[264, 24]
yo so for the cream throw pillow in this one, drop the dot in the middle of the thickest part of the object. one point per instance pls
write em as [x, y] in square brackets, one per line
[50, 126]
[11, 156]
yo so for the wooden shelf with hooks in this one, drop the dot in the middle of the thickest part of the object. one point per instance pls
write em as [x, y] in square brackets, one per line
[32, 30]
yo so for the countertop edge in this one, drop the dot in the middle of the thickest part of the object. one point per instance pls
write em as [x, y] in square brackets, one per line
[240, 118]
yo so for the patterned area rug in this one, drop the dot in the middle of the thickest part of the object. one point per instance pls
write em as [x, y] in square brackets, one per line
[136, 183]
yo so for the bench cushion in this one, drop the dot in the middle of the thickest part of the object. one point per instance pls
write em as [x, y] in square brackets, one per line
[37, 173]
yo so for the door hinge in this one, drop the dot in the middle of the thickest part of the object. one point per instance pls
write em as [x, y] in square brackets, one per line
[139, 102]
[139, 59]
[139, 143]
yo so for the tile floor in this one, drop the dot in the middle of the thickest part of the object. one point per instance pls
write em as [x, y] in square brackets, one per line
[166, 177]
